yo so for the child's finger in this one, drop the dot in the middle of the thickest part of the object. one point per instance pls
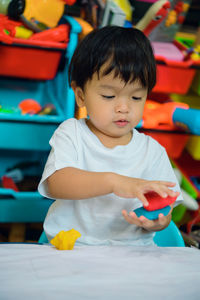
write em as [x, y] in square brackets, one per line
[164, 192]
[127, 217]
[172, 193]
[143, 199]
[131, 218]
[172, 206]
[168, 183]
[161, 219]
[145, 223]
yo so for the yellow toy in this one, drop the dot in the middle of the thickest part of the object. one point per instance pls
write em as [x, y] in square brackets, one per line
[126, 7]
[86, 27]
[65, 240]
[45, 12]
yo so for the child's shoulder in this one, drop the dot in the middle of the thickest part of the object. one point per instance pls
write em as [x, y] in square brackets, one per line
[148, 141]
[70, 124]
[67, 129]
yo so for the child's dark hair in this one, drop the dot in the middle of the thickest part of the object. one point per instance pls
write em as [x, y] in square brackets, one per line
[127, 51]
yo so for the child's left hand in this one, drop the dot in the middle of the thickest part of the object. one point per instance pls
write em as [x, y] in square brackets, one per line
[149, 225]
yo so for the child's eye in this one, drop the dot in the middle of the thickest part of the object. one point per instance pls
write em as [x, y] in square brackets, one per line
[107, 97]
[137, 98]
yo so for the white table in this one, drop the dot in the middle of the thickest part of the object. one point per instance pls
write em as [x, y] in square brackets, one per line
[34, 272]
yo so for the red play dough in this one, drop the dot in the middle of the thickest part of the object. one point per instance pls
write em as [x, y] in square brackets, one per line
[157, 202]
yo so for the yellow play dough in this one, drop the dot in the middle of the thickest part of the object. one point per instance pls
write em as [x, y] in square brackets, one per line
[65, 240]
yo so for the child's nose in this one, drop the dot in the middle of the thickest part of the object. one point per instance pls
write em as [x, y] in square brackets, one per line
[122, 106]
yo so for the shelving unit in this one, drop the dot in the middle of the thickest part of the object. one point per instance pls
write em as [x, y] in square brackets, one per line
[25, 138]
[175, 80]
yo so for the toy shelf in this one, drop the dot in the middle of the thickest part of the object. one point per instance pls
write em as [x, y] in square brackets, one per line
[25, 137]
[176, 74]
[20, 131]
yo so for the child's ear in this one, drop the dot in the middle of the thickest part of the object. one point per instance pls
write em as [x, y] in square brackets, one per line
[79, 94]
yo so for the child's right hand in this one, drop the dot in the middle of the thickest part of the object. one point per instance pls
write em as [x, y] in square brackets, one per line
[128, 187]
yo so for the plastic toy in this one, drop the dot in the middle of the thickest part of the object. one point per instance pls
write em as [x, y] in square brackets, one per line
[58, 34]
[126, 7]
[48, 109]
[35, 14]
[168, 20]
[176, 15]
[12, 8]
[169, 116]
[10, 29]
[9, 110]
[193, 53]
[42, 14]
[86, 27]
[193, 146]
[154, 16]
[65, 240]
[113, 15]
[8, 183]
[157, 205]
[169, 51]
[30, 106]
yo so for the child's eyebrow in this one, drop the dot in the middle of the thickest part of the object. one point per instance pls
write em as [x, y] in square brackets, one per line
[106, 86]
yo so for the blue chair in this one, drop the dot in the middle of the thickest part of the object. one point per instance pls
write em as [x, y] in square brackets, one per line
[43, 238]
[168, 237]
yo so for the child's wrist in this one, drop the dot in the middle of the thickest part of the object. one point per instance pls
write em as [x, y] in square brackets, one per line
[111, 179]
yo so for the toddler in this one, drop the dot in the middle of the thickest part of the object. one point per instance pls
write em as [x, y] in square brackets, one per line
[100, 168]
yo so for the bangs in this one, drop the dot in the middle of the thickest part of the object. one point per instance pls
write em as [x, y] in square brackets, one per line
[127, 69]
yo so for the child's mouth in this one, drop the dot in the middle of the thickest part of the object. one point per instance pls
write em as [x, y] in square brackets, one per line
[121, 123]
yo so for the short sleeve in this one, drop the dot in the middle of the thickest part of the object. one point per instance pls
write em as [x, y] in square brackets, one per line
[63, 152]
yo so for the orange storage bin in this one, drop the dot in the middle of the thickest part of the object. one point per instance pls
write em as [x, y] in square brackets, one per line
[31, 59]
[174, 76]
[173, 79]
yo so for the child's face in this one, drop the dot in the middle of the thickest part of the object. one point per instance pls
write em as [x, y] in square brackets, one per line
[114, 108]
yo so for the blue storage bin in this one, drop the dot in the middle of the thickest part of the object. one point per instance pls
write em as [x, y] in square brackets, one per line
[32, 132]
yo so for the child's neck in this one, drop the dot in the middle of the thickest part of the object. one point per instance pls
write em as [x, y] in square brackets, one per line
[110, 141]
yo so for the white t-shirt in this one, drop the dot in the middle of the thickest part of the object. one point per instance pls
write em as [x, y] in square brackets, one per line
[99, 219]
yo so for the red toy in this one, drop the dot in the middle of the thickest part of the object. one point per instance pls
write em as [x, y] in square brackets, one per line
[57, 34]
[170, 116]
[157, 202]
[160, 115]
[30, 106]
[10, 26]
[8, 183]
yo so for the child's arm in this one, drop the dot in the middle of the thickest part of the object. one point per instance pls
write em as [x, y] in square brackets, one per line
[73, 183]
